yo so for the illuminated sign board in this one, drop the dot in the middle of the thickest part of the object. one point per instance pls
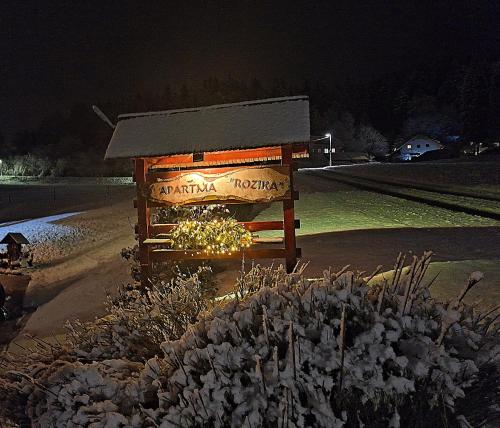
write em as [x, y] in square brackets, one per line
[243, 184]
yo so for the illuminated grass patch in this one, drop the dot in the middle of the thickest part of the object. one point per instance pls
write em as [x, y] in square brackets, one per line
[355, 209]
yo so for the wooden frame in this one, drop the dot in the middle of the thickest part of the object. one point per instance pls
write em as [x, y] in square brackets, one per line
[152, 244]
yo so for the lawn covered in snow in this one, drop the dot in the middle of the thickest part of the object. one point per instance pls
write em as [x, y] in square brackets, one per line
[355, 209]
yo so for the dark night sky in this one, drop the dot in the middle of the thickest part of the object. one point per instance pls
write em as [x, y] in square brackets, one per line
[54, 53]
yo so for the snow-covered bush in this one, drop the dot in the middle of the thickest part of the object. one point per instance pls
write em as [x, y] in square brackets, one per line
[178, 213]
[288, 351]
[330, 352]
[211, 237]
[140, 320]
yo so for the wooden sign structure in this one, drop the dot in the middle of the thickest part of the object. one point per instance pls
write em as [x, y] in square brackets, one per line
[245, 175]
[250, 184]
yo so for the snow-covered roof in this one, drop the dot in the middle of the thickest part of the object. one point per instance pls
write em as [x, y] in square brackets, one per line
[424, 138]
[249, 124]
[14, 238]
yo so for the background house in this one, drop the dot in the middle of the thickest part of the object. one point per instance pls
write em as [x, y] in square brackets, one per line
[319, 149]
[416, 147]
[319, 154]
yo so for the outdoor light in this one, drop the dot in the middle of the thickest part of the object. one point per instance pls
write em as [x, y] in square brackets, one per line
[329, 136]
[1, 168]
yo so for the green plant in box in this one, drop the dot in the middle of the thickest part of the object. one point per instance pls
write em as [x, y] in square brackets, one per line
[218, 236]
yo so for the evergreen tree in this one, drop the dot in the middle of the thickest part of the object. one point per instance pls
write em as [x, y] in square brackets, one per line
[474, 102]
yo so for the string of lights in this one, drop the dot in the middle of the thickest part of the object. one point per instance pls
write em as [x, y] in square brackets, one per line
[219, 236]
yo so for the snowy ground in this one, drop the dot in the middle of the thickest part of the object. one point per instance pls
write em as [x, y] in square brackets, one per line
[467, 174]
[331, 207]
[48, 238]
[22, 200]
[77, 254]
[78, 258]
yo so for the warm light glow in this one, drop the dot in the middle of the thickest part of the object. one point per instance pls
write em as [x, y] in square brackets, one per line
[211, 237]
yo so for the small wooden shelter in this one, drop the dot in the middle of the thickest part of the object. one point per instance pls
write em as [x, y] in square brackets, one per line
[14, 242]
[222, 154]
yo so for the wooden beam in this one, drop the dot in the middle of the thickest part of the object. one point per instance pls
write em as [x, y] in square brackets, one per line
[227, 157]
[277, 240]
[144, 218]
[251, 253]
[288, 214]
[256, 240]
[163, 255]
[166, 161]
[252, 226]
[157, 241]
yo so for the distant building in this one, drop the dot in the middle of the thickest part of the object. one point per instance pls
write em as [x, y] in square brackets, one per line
[319, 151]
[319, 154]
[417, 146]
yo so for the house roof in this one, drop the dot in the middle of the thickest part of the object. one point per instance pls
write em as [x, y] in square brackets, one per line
[249, 124]
[418, 137]
[424, 137]
[14, 238]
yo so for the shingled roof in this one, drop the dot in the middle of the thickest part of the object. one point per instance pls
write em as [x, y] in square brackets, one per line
[14, 238]
[250, 124]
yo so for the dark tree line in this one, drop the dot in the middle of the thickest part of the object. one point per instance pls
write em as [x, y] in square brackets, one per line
[439, 99]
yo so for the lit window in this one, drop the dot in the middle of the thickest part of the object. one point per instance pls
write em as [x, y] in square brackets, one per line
[326, 150]
[408, 146]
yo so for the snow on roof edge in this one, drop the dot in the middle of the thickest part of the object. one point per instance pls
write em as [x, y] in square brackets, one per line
[212, 107]
[231, 126]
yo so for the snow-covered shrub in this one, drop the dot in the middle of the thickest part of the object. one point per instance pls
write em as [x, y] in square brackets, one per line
[330, 352]
[177, 213]
[139, 320]
[57, 390]
[286, 351]
[211, 237]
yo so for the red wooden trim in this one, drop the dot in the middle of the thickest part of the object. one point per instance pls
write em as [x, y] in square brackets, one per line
[252, 226]
[249, 154]
[289, 215]
[169, 160]
[143, 217]
[262, 152]
[257, 226]
[226, 156]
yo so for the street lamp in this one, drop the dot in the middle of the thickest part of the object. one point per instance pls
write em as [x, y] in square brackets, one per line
[329, 136]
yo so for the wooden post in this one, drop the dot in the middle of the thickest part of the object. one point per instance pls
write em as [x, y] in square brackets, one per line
[143, 217]
[288, 213]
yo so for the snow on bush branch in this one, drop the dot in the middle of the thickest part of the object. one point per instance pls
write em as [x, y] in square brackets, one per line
[286, 352]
